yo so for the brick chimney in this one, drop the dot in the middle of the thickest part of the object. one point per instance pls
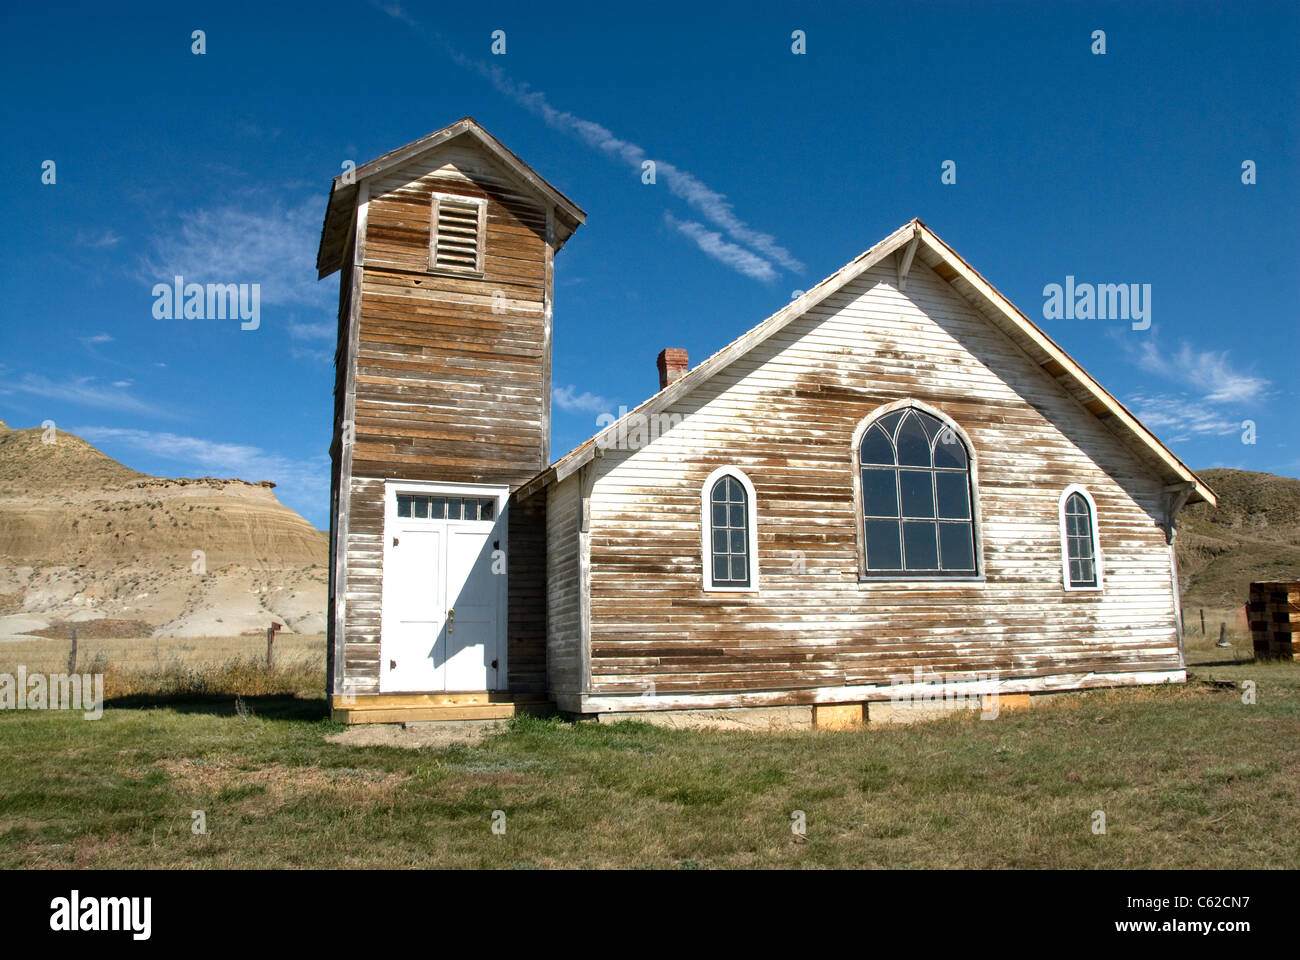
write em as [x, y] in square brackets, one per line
[673, 364]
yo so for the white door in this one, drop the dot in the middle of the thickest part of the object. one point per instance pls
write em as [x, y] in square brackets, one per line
[413, 607]
[444, 599]
[471, 632]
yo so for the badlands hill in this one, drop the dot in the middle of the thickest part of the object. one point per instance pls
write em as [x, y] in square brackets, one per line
[83, 537]
[1254, 534]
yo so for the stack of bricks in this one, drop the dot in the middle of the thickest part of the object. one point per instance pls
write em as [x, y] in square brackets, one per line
[1274, 612]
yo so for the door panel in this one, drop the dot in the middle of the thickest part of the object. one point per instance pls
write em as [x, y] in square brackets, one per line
[415, 611]
[472, 599]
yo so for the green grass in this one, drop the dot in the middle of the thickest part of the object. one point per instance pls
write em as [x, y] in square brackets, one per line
[1187, 776]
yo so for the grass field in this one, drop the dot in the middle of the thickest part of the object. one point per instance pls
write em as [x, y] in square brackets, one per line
[1187, 776]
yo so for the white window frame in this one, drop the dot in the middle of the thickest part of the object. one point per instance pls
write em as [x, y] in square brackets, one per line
[1065, 542]
[434, 266]
[706, 530]
[499, 526]
[979, 575]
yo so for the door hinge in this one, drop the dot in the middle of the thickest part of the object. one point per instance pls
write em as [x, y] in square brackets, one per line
[494, 664]
[394, 541]
[392, 664]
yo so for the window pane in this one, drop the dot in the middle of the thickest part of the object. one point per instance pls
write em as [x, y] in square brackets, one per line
[1085, 576]
[876, 447]
[403, 505]
[419, 506]
[883, 549]
[913, 444]
[720, 567]
[956, 549]
[453, 508]
[889, 422]
[719, 540]
[931, 426]
[916, 488]
[486, 509]
[954, 495]
[738, 572]
[737, 541]
[879, 493]
[737, 515]
[719, 514]
[920, 546]
[949, 451]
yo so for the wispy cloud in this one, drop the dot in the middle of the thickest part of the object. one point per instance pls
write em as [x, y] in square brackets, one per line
[731, 254]
[303, 484]
[84, 392]
[312, 331]
[97, 338]
[97, 241]
[1182, 417]
[1206, 372]
[1209, 395]
[394, 10]
[267, 243]
[712, 205]
[569, 400]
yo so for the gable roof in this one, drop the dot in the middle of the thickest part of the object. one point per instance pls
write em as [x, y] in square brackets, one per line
[343, 194]
[914, 239]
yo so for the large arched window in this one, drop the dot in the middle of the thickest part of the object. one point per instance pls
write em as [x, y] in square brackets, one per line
[728, 518]
[916, 498]
[1080, 544]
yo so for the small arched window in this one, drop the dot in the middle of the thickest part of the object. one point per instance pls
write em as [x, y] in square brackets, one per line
[916, 498]
[729, 525]
[1080, 544]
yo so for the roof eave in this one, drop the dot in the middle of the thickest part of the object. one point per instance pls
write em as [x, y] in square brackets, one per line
[337, 220]
[915, 228]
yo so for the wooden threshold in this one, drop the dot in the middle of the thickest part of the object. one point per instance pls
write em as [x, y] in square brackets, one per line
[426, 707]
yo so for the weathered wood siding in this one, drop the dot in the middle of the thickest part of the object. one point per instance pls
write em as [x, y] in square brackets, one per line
[786, 414]
[526, 569]
[447, 388]
[563, 586]
[365, 586]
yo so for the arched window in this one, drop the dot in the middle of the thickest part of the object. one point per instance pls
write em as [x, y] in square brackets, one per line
[729, 525]
[916, 498]
[1080, 545]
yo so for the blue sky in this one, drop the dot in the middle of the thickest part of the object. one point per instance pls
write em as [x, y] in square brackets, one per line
[775, 169]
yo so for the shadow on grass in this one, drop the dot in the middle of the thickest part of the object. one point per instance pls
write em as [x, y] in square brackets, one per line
[266, 706]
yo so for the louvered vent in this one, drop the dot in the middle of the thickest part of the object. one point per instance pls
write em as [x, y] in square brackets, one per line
[457, 241]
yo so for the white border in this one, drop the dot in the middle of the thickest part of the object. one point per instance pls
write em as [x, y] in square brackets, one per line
[499, 526]
[1065, 544]
[972, 470]
[706, 530]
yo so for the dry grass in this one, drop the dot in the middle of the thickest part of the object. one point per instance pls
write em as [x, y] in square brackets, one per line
[155, 654]
[1188, 776]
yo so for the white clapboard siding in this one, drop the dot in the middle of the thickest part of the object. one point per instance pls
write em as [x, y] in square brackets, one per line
[785, 413]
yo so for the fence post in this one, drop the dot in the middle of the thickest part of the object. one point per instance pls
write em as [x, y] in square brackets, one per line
[270, 643]
[72, 654]
[1202, 622]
